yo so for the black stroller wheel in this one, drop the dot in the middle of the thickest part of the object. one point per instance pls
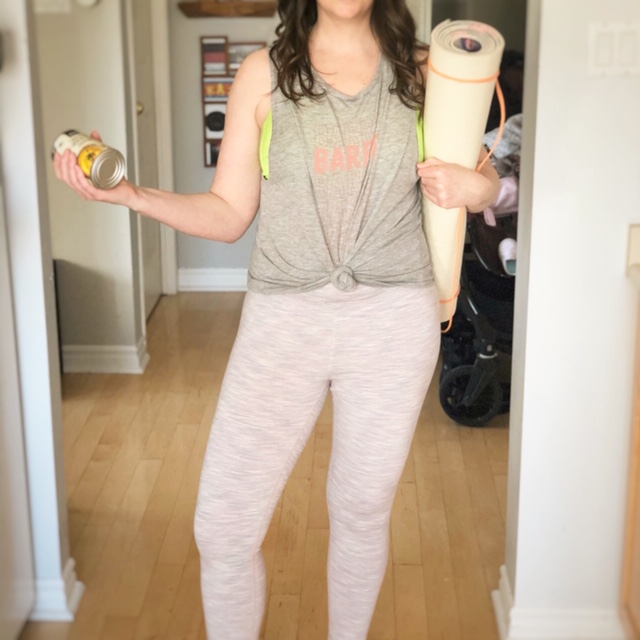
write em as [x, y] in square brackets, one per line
[452, 390]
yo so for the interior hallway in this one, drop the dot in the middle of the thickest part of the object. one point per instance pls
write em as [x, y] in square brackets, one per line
[133, 450]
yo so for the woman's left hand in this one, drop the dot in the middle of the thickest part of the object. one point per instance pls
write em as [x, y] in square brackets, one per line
[451, 186]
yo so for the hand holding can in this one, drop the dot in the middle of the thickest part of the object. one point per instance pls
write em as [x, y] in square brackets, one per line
[102, 164]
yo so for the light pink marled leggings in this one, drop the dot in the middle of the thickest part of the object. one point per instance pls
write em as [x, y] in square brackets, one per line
[376, 349]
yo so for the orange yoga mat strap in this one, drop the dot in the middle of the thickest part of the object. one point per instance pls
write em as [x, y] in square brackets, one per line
[450, 309]
[474, 80]
[464, 63]
[503, 118]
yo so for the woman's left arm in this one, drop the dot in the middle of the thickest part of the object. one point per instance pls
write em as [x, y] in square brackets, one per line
[451, 186]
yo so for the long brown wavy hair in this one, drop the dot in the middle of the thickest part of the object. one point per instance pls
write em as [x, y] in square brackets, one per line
[393, 27]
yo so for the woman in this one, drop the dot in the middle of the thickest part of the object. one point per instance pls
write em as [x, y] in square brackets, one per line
[321, 135]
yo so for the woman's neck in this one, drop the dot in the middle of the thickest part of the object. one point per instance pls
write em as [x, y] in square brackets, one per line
[343, 38]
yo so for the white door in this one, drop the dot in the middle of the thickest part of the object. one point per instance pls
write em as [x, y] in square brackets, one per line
[421, 11]
[143, 89]
[17, 584]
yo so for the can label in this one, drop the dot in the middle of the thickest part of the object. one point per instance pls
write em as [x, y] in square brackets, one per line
[86, 149]
[102, 164]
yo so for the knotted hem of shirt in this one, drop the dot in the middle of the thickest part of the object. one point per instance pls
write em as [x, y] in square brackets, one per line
[342, 278]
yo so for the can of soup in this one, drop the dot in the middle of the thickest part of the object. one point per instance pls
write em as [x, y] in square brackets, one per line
[102, 164]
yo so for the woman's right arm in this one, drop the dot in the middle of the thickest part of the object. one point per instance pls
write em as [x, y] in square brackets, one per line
[227, 210]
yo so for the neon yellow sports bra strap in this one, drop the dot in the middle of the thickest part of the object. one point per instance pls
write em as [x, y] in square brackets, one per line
[420, 131]
[265, 143]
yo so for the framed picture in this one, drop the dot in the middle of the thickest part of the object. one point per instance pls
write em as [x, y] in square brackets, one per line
[238, 51]
[214, 55]
[214, 119]
[211, 153]
[216, 89]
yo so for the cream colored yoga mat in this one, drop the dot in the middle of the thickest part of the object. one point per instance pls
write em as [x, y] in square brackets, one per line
[464, 61]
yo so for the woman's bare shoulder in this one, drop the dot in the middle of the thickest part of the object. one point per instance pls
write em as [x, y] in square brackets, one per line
[255, 69]
[253, 83]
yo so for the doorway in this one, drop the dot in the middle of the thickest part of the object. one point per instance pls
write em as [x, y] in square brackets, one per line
[140, 20]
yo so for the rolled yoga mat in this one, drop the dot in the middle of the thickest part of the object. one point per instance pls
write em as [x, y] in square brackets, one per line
[464, 62]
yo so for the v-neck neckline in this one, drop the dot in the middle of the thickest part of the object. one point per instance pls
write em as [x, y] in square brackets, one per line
[346, 96]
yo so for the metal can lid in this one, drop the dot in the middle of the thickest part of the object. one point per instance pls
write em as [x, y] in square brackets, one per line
[108, 169]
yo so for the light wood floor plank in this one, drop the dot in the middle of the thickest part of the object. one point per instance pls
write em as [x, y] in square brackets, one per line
[489, 528]
[501, 483]
[83, 448]
[474, 602]
[411, 610]
[94, 460]
[383, 624]
[408, 474]
[114, 557]
[304, 465]
[83, 499]
[439, 579]
[269, 547]
[198, 398]
[282, 617]
[46, 631]
[115, 628]
[160, 437]
[313, 617]
[186, 618]
[95, 532]
[159, 603]
[177, 540]
[137, 577]
[405, 528]
[318, 510]
[496, 438]
[81, 394]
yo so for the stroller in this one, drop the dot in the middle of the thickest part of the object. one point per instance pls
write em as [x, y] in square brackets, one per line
[476, 352]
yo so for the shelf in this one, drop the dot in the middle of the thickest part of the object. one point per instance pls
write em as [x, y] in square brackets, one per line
[231, 9]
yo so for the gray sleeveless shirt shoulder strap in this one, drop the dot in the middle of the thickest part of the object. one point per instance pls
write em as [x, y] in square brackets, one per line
[342, 202]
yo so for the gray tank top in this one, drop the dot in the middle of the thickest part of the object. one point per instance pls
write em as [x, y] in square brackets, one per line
[341, 203]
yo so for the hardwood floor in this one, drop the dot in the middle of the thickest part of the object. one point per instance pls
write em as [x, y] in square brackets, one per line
[133, 450]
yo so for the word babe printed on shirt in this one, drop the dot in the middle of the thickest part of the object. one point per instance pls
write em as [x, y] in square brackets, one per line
[346, 150]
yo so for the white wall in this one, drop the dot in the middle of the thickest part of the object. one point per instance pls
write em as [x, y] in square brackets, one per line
[83, 84]
[575, 330]
[22, 166]
[190, 173]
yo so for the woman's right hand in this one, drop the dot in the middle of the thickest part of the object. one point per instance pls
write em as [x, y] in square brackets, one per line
[68, 170]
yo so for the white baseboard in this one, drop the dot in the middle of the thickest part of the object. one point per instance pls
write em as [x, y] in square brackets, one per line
[565, 624]
[105, 359]
[517, 623]
[57, 600]
[212, 279]
[503, 603]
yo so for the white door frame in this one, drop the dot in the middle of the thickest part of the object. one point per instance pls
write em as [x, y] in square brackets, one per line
[31, 265]
[17, 581]
[164, 143]
[131, 76]
[162, 83]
